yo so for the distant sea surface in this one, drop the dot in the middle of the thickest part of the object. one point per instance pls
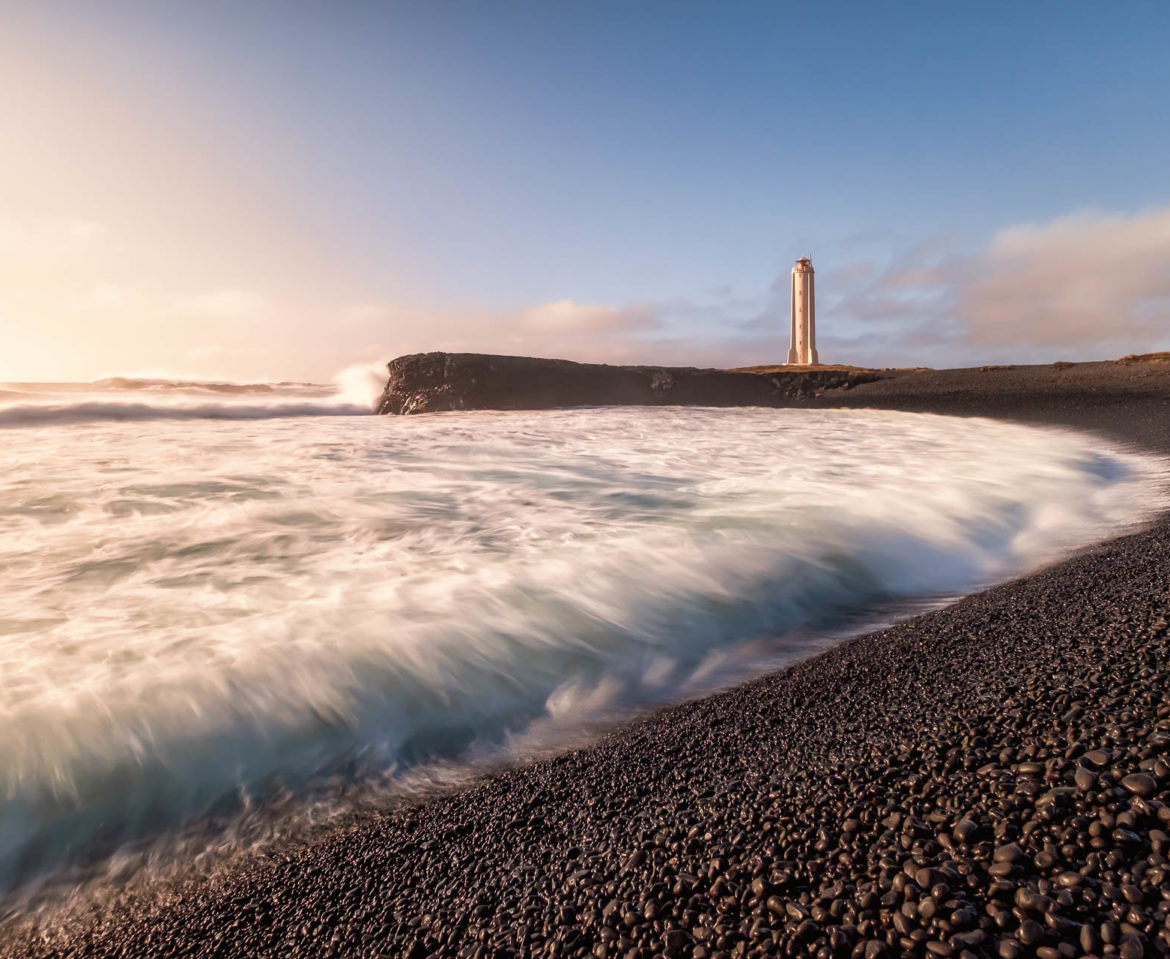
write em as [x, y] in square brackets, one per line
[216, 596]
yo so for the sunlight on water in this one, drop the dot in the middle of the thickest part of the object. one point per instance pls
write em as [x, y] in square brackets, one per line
[196, 608]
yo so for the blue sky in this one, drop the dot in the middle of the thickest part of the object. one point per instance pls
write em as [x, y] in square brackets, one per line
[604, 180]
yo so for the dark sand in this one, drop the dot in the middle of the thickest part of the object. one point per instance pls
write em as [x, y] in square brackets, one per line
[988, 779]
[1123, 399]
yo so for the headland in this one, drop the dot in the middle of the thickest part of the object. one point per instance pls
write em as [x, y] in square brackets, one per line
[436, 382]
[1095, 395]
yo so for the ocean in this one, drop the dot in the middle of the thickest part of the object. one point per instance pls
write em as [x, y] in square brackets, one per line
[228, 600]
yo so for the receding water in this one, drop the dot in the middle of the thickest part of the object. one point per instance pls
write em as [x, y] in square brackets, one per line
[209, 597]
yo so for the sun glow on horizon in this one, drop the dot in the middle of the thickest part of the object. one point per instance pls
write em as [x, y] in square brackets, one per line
[180, 195]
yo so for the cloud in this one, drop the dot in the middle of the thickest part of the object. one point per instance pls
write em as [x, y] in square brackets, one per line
[670, 332]
[1088, 285]
[1091, 278]
[572, 328]
[567, 316]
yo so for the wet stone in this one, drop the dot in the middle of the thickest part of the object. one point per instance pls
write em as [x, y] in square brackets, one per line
[1009, 853]
[1030, 932]
[1085, 778]
[1140, 784]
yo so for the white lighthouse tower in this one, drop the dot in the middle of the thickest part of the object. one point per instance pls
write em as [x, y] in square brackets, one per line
[803, 351]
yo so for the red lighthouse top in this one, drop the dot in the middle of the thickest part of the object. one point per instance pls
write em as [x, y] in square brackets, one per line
[804, 265]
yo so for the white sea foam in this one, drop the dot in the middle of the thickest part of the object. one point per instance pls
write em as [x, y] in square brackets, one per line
[120, 399]
[201, 612]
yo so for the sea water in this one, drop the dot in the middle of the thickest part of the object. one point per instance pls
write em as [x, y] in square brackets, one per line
[213, 595]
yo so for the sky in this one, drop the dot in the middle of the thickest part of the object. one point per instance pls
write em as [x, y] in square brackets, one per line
[277, 190]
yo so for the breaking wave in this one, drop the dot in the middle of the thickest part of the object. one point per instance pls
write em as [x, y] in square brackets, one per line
[199, 617]
[353, 392]
[99, 411]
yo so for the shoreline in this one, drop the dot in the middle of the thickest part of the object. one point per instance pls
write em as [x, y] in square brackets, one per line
[766, 819]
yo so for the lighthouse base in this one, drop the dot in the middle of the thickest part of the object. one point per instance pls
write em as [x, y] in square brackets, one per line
[794, 360]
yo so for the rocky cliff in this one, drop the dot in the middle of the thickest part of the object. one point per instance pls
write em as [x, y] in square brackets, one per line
[431, 382]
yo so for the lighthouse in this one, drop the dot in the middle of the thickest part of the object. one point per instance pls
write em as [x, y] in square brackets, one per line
[803, 351]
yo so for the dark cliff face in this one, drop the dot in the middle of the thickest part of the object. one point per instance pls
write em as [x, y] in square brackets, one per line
[432, 382]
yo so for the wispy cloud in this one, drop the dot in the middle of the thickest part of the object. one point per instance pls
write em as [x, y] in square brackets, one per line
[1090, 284]
[674, 332]
[1089, 279]
[567, 316]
